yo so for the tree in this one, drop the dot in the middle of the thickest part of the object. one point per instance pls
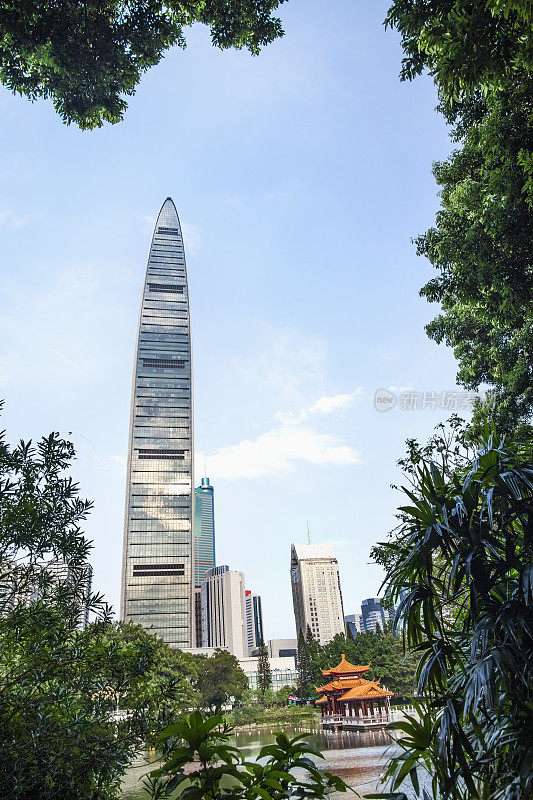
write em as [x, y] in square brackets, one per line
[304, 668]
[463, 559]
[87, 54]
[199, 762]
[60, 683]
[220, 680]
[264, 673]
[481, 57]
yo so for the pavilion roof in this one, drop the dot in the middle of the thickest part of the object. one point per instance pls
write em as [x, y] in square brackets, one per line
[367, 690]
[345, 668]
[340, 685]
[322, 699]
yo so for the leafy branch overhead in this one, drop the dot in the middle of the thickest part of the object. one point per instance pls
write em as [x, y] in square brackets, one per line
[87, 55]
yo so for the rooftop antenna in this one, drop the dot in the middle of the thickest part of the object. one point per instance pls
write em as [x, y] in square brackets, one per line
[308, 533]
[205, 464]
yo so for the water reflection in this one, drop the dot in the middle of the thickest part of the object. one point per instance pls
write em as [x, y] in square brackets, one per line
[358, 757]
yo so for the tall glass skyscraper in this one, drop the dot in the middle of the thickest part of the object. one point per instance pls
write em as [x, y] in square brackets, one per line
[204, 531]
[158, 560]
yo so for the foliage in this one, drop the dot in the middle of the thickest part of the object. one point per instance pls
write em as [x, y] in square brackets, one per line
[220, 681]
[264, 673]
[304, 666]
[481, 57]
[282, 770]
[59, 682]
[168, 687]
[463, 557]
[278, 712]
[87, 54]
[382, 650]
[465, 45]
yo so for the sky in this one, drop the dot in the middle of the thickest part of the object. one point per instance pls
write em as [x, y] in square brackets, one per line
[300, 177]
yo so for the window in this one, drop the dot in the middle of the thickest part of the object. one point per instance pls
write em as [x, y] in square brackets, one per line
[178, 455]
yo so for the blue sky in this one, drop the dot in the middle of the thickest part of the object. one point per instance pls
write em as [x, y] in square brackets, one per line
[300, 177]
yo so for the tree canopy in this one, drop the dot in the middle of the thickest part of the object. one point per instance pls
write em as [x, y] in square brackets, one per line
[88, 55]
[481, 58]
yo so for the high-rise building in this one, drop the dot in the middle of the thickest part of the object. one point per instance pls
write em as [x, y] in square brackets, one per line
[353, 624]
[204, 531]
[374, 614]
[204, 545]
[254, 620]
[316, 591]
[158, 559]
[223, 611]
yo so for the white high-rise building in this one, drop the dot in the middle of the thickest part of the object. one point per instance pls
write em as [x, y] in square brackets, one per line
[316, 591]
[223, 611]
[254, 621]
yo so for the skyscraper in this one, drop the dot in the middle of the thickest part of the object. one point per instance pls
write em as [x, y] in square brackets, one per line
[316, 591]
[204, 531]
[374, 614]
[223, 611]
[158, 568]
[204, 546]
[254, 620]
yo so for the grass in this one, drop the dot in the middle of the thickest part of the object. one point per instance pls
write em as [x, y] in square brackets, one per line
[256, 715]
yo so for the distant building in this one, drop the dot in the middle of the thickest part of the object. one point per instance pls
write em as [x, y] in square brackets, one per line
[204, 546]
[41, 583]
[282, 648]
[223, 611]
[254, 620]
[316, 591]
[283, 672]
[373, 615]
[353, 624]
[204, 530]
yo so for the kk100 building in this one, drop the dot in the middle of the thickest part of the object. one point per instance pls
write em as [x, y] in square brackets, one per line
[158, 558]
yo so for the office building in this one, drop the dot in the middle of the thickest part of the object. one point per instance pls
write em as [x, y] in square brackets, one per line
[282, 648]
[353, 624]
[316, 591]
[204, 530]
[204, 546]
[254, 620]
[374, 615]
[157, 572]
[223, 611]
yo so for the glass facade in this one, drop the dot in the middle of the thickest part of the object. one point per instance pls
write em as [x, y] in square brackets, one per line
[158, 560]
[204, 531]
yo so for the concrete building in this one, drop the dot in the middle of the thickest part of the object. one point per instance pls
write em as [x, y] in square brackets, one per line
[223, 611]
[316, 591]
[254, 620]
[157, 569]
[282, 648]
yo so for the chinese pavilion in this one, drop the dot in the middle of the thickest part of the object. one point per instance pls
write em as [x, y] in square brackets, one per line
[349, 698]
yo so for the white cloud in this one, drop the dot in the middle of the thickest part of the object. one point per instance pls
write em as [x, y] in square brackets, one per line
[277, 452]
[11, 219]
[338, 402]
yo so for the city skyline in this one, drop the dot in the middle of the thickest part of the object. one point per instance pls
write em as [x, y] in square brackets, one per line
[158, 559]
[305, 178]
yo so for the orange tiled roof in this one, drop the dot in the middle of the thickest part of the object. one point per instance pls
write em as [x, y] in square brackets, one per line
[344, 667]
[322, 700]
[345, 683]
[368, 689]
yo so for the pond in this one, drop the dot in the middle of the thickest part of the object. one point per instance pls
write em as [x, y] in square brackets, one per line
[356, 757]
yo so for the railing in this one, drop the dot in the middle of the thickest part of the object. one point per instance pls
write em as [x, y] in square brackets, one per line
[369, 719]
